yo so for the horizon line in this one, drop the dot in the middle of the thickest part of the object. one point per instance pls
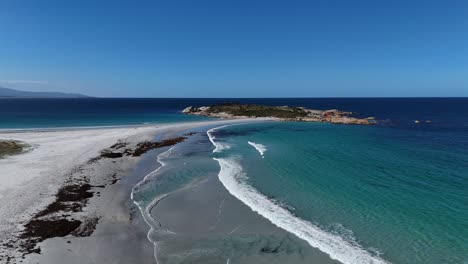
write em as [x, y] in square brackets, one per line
[324, 97]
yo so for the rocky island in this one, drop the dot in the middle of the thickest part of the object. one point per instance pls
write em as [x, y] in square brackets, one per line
[283, 113]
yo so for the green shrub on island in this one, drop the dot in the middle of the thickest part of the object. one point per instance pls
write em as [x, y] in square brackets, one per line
[251, 110]
[284, 113]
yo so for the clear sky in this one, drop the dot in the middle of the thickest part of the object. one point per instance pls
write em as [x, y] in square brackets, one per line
[236, 48]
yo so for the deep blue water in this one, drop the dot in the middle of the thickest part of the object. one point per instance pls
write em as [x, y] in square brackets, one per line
[445, 114]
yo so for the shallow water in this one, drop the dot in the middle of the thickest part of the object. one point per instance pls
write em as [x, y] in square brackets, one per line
[401, 195]
[358, 194]
[396, 192]
[195, 219]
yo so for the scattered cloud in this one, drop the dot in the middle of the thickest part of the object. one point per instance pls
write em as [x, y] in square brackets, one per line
[23, 82]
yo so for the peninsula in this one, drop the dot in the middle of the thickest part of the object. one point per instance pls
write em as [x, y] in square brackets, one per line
[283, 113]
[12, 93]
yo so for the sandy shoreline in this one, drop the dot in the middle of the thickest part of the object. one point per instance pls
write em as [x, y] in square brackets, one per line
[199, 221]
[30, 183]
[203, 217]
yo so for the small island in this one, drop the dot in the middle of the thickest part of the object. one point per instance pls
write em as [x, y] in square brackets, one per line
[283, 113]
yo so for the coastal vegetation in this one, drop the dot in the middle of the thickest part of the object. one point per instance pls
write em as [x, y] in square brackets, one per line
[252, 110]
[11, 147]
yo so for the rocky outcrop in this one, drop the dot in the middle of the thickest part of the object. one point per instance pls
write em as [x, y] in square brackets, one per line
[193, 110]
[187, 110]
[283, 113]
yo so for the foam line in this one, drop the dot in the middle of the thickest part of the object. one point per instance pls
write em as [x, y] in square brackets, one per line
[234, 180]
[146, 211]
[218, 146]
[259, 147]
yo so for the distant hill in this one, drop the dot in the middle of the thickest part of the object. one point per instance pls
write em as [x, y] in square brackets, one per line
[11, 93]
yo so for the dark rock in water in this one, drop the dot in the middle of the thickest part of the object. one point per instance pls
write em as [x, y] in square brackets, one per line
[147, 146]
[140, 149]
[270, 250]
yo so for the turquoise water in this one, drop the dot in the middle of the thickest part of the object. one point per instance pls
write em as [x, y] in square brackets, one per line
[202, 223]
[401, 195]
[359, 194]
[396, 192]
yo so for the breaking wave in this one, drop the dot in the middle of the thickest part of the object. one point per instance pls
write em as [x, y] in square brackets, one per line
[234, 180]
[259, 147]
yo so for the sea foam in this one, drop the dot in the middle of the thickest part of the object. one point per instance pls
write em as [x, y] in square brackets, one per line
[259, 147]
[234, 180]
[146, 210]
[218, 145]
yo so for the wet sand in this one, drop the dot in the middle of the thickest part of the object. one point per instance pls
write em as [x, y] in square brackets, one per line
[194, 220]
[206, 218]
[120, 235]
[96, 190]
[201, 222]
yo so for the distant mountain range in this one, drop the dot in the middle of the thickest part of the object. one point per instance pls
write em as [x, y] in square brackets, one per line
[11, 93]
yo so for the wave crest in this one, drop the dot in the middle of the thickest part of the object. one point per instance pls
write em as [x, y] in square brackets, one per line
[234, 180]
[219, 147]
[259, 147]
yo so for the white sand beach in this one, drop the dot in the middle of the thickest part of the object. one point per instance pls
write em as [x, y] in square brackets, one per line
[30, 181]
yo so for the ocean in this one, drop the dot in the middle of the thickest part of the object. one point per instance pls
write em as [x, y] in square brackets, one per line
[396, 192]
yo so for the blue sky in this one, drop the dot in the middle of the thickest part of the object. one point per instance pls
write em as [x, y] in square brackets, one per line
[238, 48]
